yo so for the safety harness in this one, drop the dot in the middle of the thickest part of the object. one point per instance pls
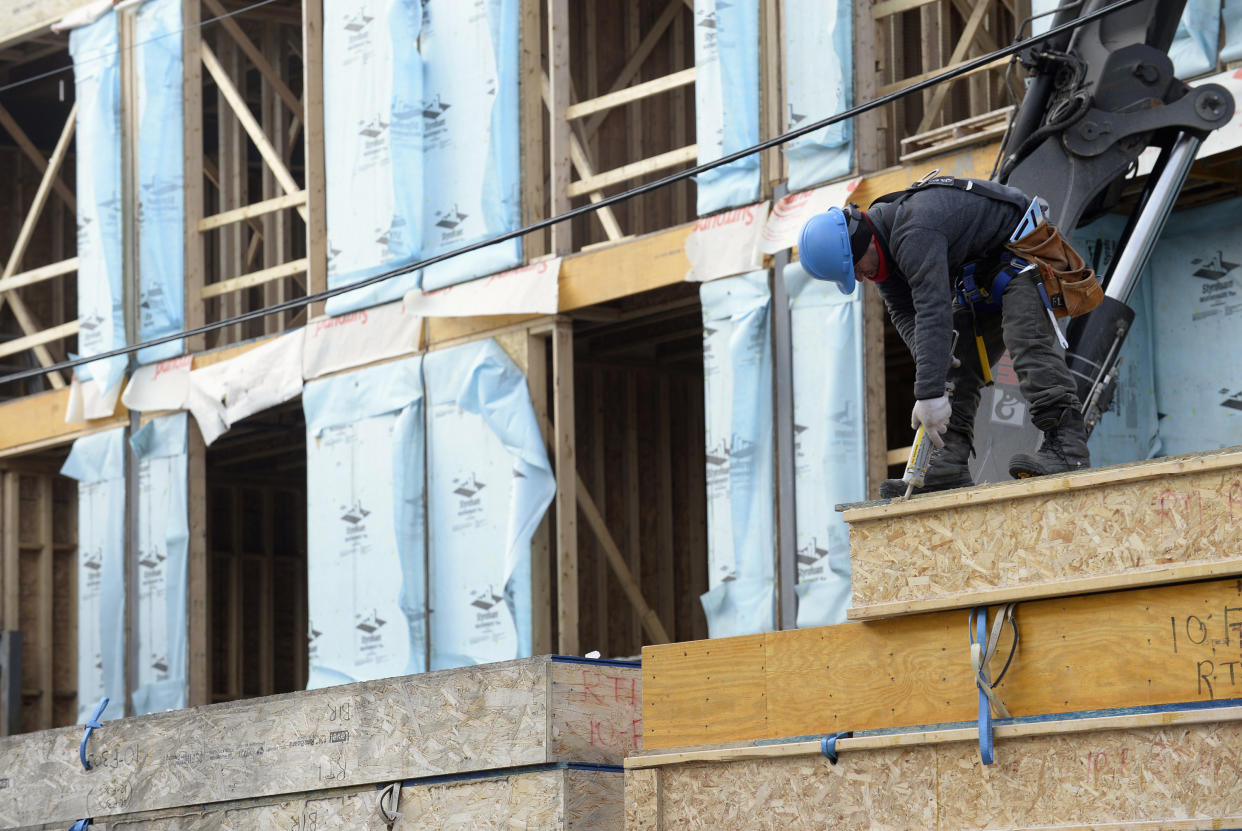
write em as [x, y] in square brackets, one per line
[966, 288]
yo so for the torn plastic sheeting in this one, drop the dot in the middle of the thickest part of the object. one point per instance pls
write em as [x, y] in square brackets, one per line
[830, 455]
[224, 393]
[1197, 317]
[726, 99]
[84, 16]
[372, 146]
[87, 401]
[1128, 432]
[366, 555]
[488, 474]
[819, 79]
[737, 368]
[791, 212]
[96, 67]
[161, 178]
[163, 546]
[532, 289]
[1231, 19]
[161, 386]
[98, 463]
[472, 160]
[727, 243]
[361, 337]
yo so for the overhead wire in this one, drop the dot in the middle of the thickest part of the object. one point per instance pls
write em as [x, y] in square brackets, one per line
[608, 201]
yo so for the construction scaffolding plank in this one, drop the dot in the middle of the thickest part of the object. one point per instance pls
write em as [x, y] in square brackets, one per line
[1167, 773]
[533, 711]
[1117, 527]
[1152, 646]
[559, 798]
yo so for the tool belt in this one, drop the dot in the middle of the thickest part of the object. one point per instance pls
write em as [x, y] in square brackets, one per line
[1071, 286]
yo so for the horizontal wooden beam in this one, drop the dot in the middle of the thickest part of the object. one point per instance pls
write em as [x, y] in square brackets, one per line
[888, 8]
[267, 206]
[635, 93]
[635, 170]
[1152, 646]
[906, 82]
[38, 275]
[631, 267]
[255, 278]
[55, 333]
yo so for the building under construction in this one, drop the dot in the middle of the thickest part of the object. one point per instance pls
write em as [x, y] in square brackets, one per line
[571, 529]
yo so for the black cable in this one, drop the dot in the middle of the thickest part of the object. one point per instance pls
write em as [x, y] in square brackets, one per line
[608, 201]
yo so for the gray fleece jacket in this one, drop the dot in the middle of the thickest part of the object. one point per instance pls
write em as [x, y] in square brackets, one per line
[926, 239]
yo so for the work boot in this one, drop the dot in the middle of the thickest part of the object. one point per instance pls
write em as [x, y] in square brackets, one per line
[1064, 449]
[948, 469]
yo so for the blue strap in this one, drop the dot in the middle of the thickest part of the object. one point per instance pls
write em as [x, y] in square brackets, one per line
[980, 616]
[91, 724]
[828, 744]
[80, 825]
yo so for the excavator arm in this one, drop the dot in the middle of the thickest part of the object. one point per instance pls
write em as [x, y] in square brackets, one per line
[1098, 97]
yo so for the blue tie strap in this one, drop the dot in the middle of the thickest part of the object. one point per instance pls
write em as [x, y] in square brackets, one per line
[91, 724]
[828, 745]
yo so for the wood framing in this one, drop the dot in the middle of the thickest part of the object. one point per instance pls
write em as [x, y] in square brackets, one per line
[1148, 771]
[192, 148]
[22, 18]
[558, 129]
[1148, 646]
[1131, 525]
[316, 173]
[566, 484]
[535, 711]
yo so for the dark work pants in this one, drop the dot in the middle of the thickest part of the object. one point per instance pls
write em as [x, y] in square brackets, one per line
[1024, 328]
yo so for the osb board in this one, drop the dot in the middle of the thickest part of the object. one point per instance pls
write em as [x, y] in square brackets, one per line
[516, 713]
[1115, 527]
[1183, 777]
[1139, 647]
[547, 800]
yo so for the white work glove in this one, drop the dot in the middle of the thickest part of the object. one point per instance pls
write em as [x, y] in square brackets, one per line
[933, 414]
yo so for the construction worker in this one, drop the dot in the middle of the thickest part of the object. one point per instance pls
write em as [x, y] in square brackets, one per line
[917, 246]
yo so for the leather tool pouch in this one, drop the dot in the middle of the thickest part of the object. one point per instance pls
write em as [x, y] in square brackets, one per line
[1072, 287]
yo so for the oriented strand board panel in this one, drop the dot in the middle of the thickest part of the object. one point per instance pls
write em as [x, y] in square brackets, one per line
[528, 712]
[557, 799]
[1177, 777]
[1154, 646]
[1130, 525]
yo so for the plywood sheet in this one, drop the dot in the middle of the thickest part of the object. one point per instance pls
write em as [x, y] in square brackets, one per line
[447, 722]
[1161, 645]
[1141, 524]
[1182, 777]
[547, 800]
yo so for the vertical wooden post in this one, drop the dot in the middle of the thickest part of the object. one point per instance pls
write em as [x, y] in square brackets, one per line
[130, 266]
[870, 135]
[558, 131]
[198, 663]
[47, 601]
[566, 489]
[772, 93]
[534, 195]
[192, 139]
[666, 598]
[634, 112]
[312, 121]
[786, 542]
[11, 552]
[541, 542]
[599, 492]
[875, 400]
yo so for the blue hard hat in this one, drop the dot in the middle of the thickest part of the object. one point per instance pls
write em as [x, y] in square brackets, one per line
[824, 249]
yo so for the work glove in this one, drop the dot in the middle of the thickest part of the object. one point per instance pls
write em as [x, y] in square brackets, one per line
[933, 414]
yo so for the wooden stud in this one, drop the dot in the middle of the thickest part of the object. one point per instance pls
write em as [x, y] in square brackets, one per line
[192, 149]
[875, 400]
[772, 86]
[27, 146]
[534, 195]
[267, 206]
[256, 57]
[558, 130]
[566, 485]
[11, 552]
[315, 173]
[666, 600]
[681, 105]
[47, 601]
[38, 275]
[541, 541]
[198, 622]
[599, 464]
[632, 94]
[634, 113]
